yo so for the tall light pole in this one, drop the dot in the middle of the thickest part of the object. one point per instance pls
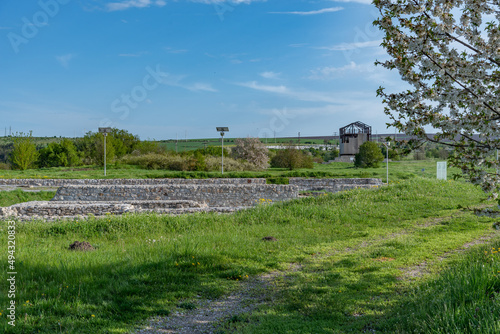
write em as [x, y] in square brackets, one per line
[222, 129]
[105, 132]
[387, 160]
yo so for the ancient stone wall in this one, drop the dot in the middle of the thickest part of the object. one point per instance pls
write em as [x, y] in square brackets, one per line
[52, 183]
[214, 195]
[333, 185]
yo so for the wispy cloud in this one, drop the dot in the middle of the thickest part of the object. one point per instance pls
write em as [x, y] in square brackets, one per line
[296, 94]
[172, 50]
[127, 4]
[270, 75]
[5, 28]
[138, 54]
[351, 46]
[177, 81]
[312, 12]
[366, 2]
[123, 5]
[65, 59]
[265, 88]
[360, 72]
[330, 72]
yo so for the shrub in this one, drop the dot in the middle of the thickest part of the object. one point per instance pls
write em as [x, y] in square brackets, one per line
[291, 158]
[4, 166]
[369, 155]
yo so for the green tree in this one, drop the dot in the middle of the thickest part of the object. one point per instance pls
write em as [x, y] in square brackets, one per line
[59, 154]
[123, 142]
[369, 156]
[24, 154]
[92, 148]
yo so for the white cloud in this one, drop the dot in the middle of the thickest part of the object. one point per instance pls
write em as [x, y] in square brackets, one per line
[366, 2]
[65, 59]
[176, 81]
[138, 54]
[270, 75]
[123, 5]
[313, 12]
[126, 4]
[172, 50]
[362, 72]
[328, 72]
[352, 46]
[270, 89]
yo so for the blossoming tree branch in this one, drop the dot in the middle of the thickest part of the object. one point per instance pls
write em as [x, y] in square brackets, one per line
[448, 51]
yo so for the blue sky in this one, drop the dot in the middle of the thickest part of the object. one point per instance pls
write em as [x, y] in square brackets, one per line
[162, 69]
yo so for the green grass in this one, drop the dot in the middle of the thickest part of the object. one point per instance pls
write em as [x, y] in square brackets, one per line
[146, 265]
[18, 196]
[397, 171]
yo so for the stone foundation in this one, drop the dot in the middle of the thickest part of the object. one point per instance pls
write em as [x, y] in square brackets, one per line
[53, 183]
[334, 185]
[221, 195]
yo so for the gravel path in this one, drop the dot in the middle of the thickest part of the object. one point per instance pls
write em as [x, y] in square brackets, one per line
[209, 315]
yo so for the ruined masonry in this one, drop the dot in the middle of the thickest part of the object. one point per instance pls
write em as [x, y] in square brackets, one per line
[79, 198]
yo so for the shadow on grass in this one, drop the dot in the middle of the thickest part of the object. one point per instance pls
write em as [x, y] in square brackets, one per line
[95, 298]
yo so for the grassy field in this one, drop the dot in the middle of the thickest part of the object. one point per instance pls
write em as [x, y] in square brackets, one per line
[193, 144]
[354, 249]
[397, 171]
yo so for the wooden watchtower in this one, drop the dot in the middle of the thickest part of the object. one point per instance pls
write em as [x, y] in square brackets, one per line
[352, 136]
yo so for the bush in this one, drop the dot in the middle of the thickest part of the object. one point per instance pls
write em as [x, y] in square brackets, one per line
[369, 155]
[292, 158]
[196, 162]
[4, 166]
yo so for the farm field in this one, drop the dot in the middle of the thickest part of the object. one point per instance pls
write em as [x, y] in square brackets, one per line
[408, 258]
[398, 170]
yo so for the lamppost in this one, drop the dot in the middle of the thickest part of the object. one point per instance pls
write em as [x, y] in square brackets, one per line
[105, 132]
[222, 129]
[387, 160]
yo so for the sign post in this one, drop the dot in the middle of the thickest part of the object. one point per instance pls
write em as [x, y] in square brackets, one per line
[105, 132]
[387, 160]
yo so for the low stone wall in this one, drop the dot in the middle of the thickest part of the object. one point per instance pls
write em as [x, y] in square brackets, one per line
[333, 185]
[52, 183]
[214, 195]
[51, 210]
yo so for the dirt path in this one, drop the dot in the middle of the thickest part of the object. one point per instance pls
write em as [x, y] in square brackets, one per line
[209, 315]
[421, 269]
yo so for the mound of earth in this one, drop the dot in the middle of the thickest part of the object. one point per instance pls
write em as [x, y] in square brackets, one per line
[81, 246]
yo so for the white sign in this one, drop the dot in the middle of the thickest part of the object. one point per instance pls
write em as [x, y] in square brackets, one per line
[441, 170]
